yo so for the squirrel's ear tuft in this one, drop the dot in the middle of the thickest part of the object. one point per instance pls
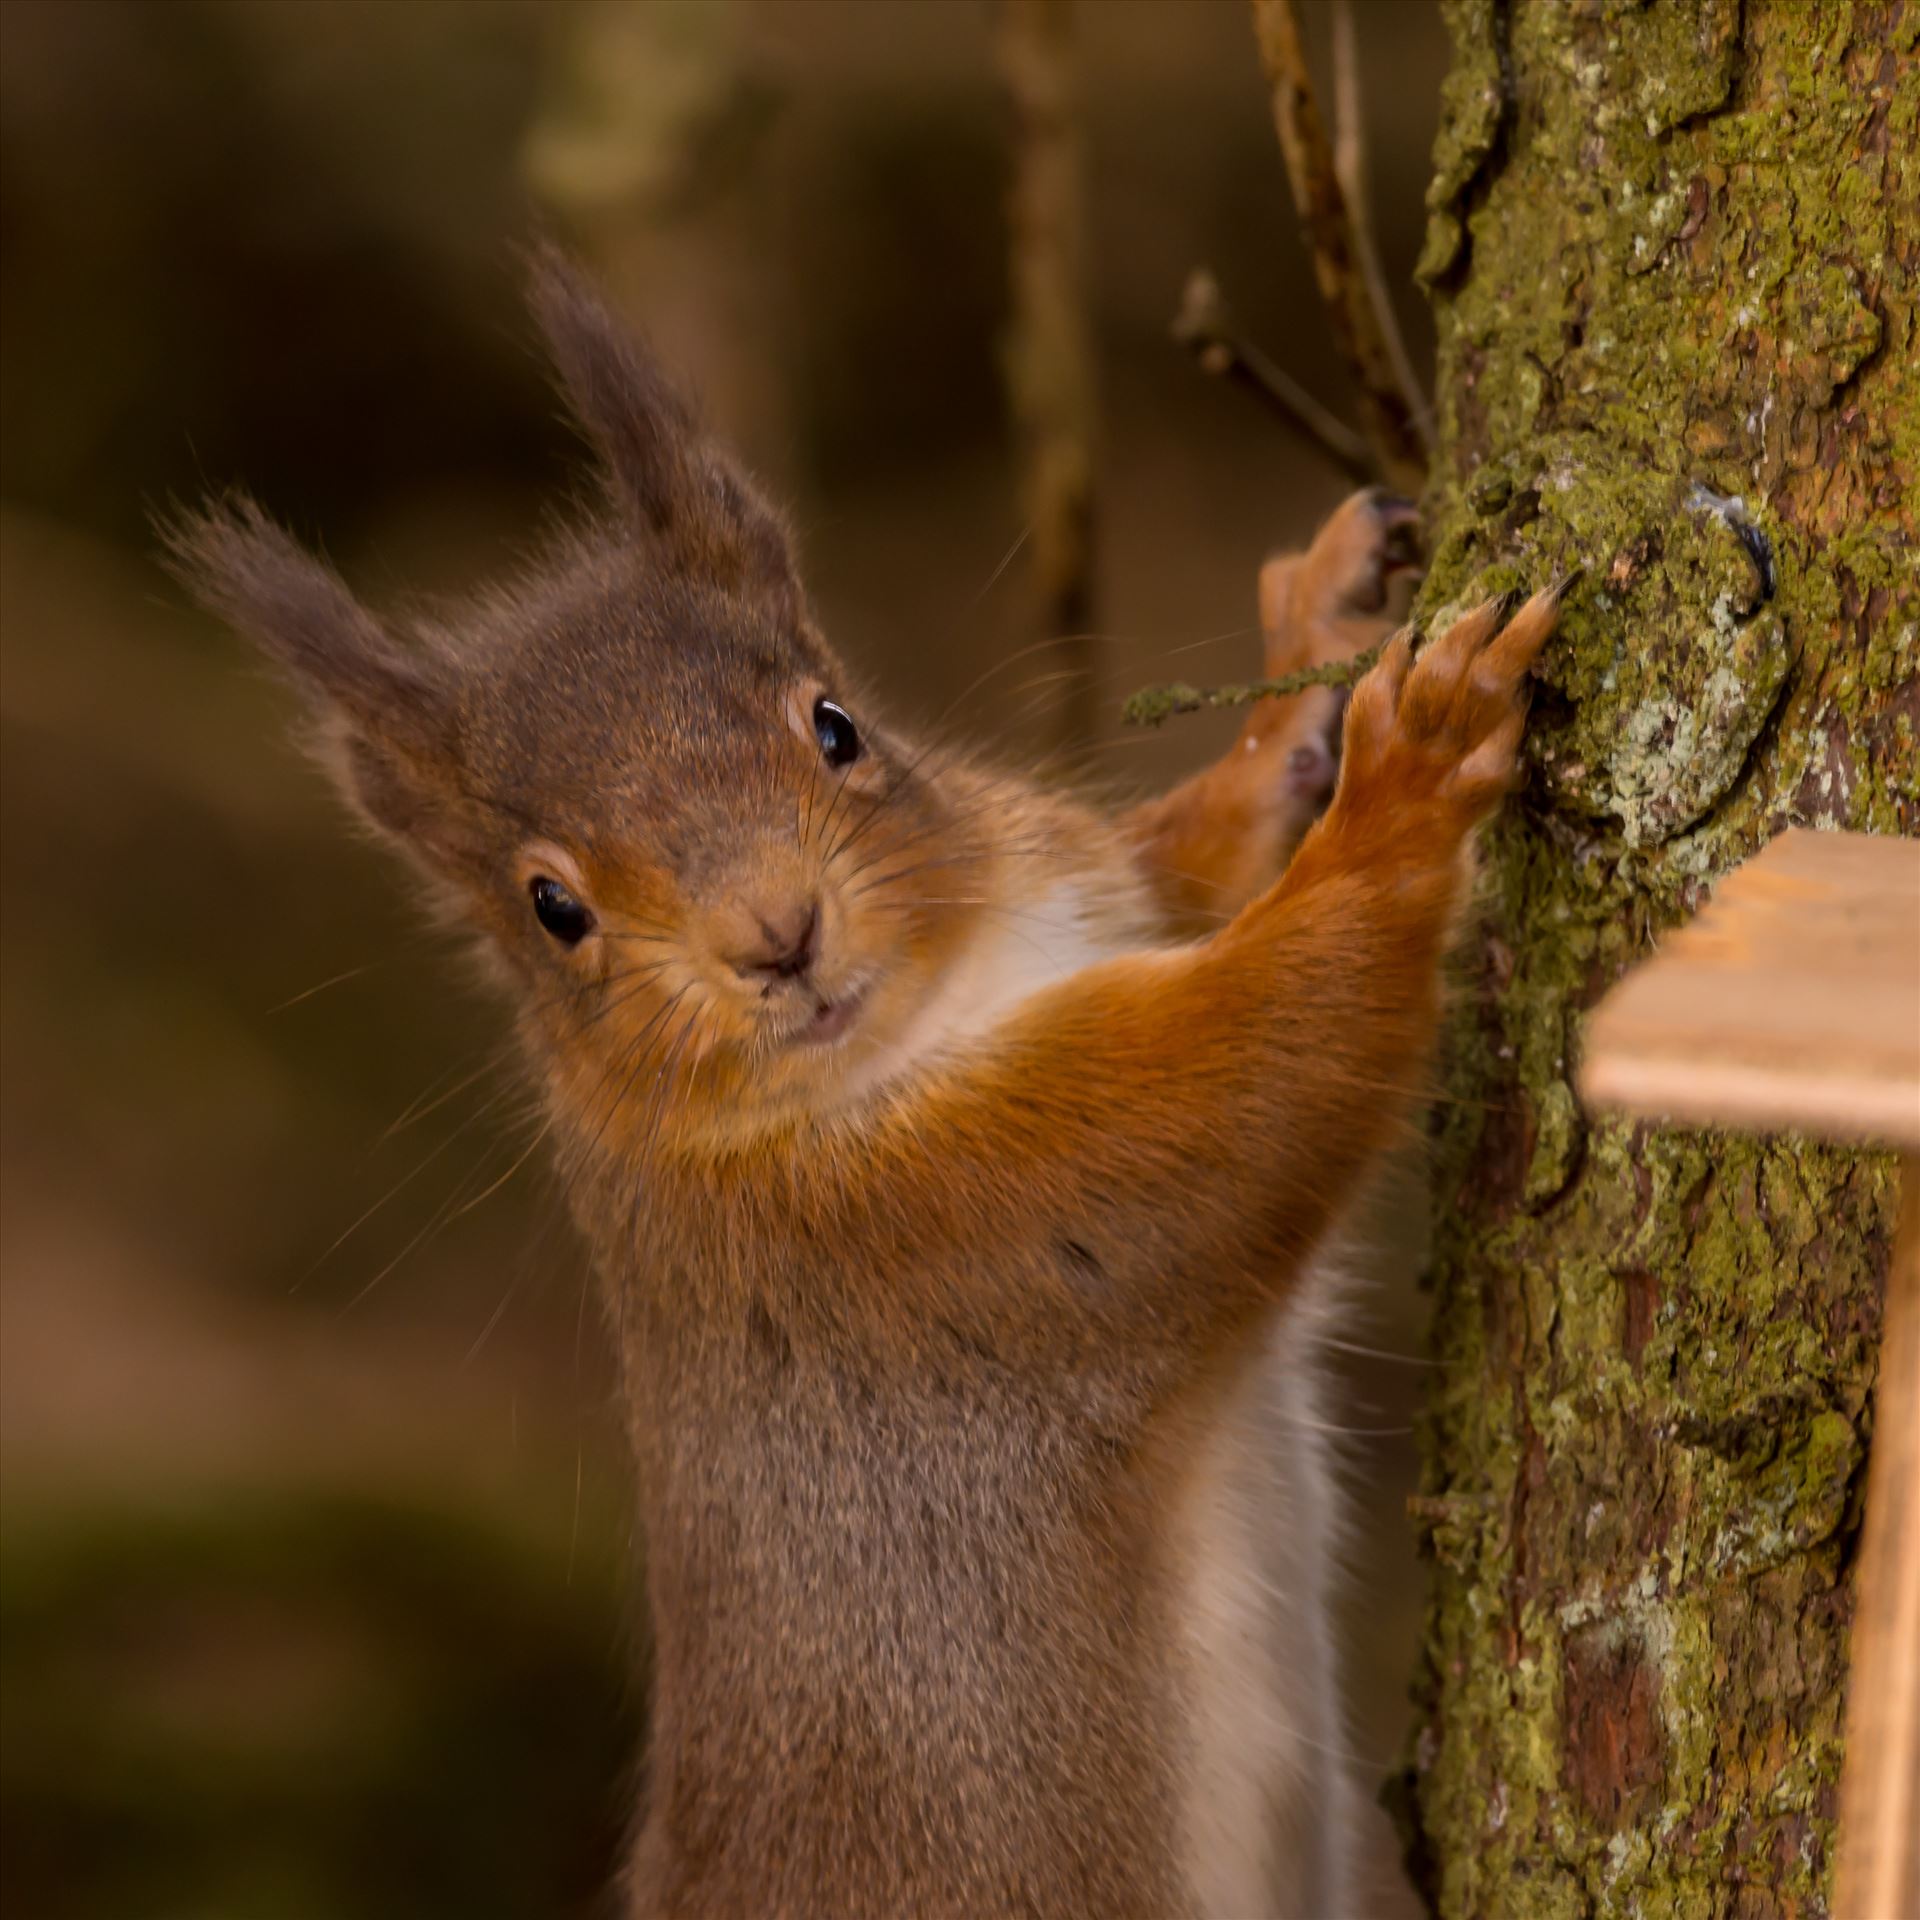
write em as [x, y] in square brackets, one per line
[382, 712]
[238, 564]
[641, 423]
[682, 490]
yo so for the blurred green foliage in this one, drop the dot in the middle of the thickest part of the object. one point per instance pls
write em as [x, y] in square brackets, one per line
[277, 1709]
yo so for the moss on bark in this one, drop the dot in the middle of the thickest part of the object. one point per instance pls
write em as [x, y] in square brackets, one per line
[1671, 248]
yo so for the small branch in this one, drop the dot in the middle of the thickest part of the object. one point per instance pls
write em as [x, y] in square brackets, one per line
[1205, 326]
[1151, 705]
[1349, 124]
[1389, 413]
[1350, 169]
[1049, 343]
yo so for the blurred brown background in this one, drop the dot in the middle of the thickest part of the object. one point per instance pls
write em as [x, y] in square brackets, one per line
[315, 1569]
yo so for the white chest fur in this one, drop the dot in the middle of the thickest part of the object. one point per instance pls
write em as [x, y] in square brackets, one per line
[1267, 1800]
[1020, 951]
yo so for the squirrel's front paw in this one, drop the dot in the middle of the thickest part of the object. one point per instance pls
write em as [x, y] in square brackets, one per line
[1370, 537]
[1442, 732]
[1328, 603]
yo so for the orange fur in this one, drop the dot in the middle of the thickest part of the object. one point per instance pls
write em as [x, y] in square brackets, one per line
[1216, 839]
[931, 1253]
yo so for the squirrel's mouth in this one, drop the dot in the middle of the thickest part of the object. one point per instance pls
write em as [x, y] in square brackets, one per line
[831, 1019]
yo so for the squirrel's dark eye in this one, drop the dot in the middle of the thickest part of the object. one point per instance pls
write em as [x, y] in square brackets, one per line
[560, 913]
[839, 738]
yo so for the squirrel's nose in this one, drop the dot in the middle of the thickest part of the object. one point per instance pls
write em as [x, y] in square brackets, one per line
[788, 943]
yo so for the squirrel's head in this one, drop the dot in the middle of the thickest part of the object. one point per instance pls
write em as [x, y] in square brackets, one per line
[638, 771]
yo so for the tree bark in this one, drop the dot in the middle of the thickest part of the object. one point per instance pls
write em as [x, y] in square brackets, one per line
[1671, 250]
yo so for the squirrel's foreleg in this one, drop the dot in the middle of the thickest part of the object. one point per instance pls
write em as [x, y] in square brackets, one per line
[1149, 1149]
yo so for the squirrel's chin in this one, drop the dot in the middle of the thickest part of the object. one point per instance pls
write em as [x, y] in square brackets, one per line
[831, 1019]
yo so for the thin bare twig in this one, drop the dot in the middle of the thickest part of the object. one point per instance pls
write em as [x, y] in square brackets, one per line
[1205, 326]
[1349, 123]
[1049, 343]
[1350, 168]
[1389, 413]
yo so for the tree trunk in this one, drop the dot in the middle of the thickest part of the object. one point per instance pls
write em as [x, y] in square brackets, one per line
[1671, 249]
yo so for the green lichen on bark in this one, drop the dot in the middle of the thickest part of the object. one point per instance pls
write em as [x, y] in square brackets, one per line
[1672, 249]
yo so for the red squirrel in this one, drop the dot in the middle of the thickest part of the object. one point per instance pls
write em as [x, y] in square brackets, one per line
[955, 1157]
